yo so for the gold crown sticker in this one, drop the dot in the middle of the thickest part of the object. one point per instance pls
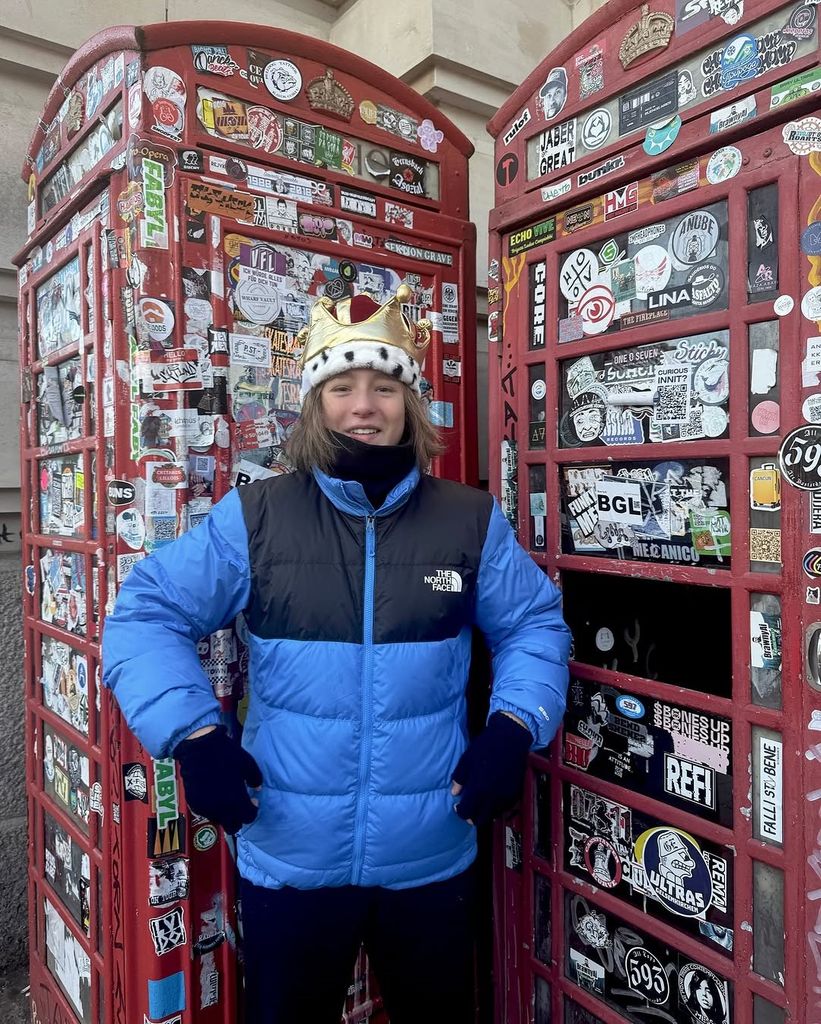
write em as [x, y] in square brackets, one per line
[651, 32]
[325, 93]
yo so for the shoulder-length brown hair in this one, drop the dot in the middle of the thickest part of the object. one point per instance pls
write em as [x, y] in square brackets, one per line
[311, 442]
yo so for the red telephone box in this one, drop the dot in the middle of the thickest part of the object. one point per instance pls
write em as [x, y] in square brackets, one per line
[193, 188]
[654, 295]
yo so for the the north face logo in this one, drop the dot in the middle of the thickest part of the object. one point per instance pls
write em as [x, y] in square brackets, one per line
[445, 579]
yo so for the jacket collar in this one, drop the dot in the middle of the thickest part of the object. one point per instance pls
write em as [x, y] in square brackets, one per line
[349, 495]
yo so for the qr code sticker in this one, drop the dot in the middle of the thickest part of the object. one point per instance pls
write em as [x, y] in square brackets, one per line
[765, 545]
[164, 528]
[672, 404]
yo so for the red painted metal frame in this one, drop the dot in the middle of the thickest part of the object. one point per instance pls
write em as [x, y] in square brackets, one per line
[121, 955]
[766, 159]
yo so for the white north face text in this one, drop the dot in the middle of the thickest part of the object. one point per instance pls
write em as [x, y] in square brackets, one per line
[445, 579]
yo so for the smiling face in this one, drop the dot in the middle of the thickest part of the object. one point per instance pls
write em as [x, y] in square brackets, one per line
[365, 404]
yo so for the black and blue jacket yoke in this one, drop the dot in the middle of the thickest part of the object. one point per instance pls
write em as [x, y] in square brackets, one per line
[359, 627]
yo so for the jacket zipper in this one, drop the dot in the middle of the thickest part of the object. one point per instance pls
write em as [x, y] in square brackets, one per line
[367, 702]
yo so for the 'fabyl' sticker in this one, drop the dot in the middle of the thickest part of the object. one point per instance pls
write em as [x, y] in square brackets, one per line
[783, 305]
[661, 136]
[723, 164]
[811, 304]
[803, 136]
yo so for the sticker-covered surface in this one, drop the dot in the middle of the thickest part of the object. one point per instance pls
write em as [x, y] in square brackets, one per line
[662, 870]
[676, 755]
[68, 869]
[777, 40]
[675, 512]
[66, 776]
[675, 390]
[668, 270]
[632, 972]
[67, 961]
[65, 682]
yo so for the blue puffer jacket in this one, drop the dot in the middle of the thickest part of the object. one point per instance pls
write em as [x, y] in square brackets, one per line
[359, 630]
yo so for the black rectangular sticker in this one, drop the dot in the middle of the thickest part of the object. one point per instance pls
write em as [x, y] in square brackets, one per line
[676, 755]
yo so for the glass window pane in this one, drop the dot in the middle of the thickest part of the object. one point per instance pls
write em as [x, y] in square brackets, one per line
[537, 389]
[637, 614]
[765, 649]
[764, 380]
[762, 243]
[541, 831]
[575, 1014]
[542, 925]
[765, 515]
[541, 1002]
[537, 484]
[768, 922]
[68, 869]
[765, 1013]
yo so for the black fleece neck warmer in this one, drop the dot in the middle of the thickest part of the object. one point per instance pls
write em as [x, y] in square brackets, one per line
[378, 467]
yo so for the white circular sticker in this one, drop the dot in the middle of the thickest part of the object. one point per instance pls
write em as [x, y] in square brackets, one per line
[811, 409]
[711, 380]
[783, 305]
[653, 269]
[155, 318]
[596, 129]
[811, 304]
[723, 164]
[605, 639]
[538, 390]
[578, 272]
[282, 79]
[694, 239]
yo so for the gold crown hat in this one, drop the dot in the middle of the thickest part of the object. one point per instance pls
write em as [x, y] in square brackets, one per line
[359, 334]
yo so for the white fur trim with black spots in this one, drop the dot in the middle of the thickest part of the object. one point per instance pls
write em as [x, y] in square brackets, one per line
[362, 355]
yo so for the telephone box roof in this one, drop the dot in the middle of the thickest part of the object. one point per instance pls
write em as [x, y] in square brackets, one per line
[163, 35]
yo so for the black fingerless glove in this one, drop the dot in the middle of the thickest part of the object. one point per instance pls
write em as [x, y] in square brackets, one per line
[215, 771]
[492, 769]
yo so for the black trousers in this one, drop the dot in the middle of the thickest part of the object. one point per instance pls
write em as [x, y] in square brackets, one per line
[300, 946]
